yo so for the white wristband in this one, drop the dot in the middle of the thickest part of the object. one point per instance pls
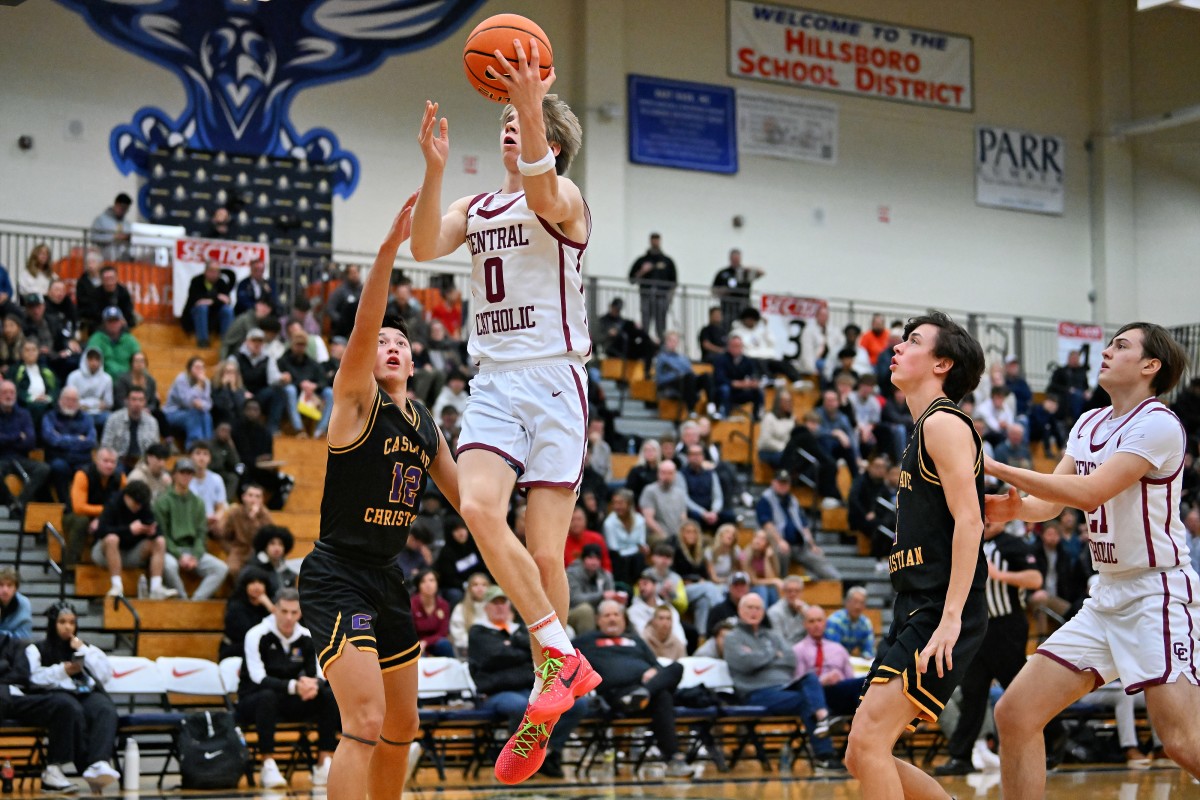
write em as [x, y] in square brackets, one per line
[543, 164]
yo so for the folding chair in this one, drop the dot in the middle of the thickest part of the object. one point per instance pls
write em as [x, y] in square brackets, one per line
[450, 723]
[190, 684]
[298, 733]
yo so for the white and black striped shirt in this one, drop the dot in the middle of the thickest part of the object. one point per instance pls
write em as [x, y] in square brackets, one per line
[1008, 554]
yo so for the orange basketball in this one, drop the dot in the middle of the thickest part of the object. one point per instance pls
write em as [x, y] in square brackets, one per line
[497, 33]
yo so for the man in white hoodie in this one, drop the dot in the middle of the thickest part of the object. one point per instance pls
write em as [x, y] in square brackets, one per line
[95, 387]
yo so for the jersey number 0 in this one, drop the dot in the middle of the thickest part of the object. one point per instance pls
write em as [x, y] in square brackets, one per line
[493, 279]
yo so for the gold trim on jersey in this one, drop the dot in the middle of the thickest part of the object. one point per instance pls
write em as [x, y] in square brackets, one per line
[365, 432]
[337, 623]
[929, 475]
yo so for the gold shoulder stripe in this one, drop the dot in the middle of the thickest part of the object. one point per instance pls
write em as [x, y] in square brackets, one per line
[928, 474]
[366, 431]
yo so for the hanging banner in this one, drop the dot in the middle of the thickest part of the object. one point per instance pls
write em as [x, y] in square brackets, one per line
[835, 53]
[234, 257]
[1085, 338]
[786, 317]
[787, 127]
[1019, 170]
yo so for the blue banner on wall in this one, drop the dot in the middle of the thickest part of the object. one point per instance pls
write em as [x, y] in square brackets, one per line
[683, 125]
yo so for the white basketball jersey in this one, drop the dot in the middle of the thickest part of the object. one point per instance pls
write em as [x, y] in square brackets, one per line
[526, 284]
[1140, 528]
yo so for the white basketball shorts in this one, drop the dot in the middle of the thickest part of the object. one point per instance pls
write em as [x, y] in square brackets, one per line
[534, 414]
[1141, 629]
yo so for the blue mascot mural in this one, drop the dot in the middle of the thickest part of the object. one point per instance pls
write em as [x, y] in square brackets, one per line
[243, 62]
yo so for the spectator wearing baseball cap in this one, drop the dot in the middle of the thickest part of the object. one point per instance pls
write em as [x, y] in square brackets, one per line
[589, 583]
[739, 587]
[779, 514]
[261, 377]
[501, 664]
[184, 526]
[115, 342]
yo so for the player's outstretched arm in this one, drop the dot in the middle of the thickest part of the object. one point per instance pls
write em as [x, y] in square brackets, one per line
[1010, 506]
[952, 448]
[354, 385]
[444, 471]
[1063, 488]
[553, 198]
[433, 234]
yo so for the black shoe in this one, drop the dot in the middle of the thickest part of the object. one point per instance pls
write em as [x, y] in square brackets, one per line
[552, 766]
[636, 700]
[829, 766]
[955, 766]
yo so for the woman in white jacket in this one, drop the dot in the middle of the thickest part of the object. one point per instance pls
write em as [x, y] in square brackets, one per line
[63, 663]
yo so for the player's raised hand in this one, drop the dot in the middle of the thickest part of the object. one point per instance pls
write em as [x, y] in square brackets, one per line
[523, 80]
[400, 231]
[434, 137]
[1002, 507]
[941, 647]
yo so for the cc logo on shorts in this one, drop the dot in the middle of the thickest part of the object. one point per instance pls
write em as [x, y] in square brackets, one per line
[360, 622]
[1180, 650]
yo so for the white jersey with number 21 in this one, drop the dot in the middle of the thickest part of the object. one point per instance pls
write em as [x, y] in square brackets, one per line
[526, 286]
[1140, 528]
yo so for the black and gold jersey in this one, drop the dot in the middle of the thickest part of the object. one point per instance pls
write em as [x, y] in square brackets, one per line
[373, 485]
[921, 556]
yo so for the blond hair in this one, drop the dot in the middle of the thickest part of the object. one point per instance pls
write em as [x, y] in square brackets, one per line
[562, 129]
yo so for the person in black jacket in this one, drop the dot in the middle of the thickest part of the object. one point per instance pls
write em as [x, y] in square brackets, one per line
[208, 304]
[279, 681]
[634, 681]
[249, 605]
[55, 711]
[501, 665]
[127, 536]
[457, 561]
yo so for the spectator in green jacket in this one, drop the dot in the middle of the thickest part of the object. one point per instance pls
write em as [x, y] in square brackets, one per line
[182, 522]
[114, 342]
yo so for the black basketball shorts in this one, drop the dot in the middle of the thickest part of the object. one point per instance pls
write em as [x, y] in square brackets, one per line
[914, 619]
[367, 606]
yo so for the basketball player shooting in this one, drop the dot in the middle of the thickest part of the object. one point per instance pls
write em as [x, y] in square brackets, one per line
[936, 564]
[525, 423]
[1125, 464]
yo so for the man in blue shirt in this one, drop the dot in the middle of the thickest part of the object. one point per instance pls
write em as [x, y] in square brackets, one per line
[849, 626]
[17, 438]
[779, 514]
[674, 376]
[16, 614]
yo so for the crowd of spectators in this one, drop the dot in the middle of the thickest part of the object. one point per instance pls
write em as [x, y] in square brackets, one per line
[655, 563]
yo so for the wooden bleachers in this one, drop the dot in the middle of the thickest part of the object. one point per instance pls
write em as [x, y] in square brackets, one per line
[196, 615]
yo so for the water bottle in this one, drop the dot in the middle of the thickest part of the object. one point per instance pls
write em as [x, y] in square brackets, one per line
[6, 777]
[143, 587]
[607, 766]
[131, 779]
[785, 759]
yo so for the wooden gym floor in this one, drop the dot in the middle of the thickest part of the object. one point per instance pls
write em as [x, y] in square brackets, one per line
[1160, 783]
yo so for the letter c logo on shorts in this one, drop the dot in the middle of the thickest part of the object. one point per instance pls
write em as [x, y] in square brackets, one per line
[1180, 650]
[360, 622]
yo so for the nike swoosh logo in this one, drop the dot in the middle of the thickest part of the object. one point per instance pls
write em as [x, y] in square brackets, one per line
[556, 394]
[429, 673]
[568, 681]
[213, 755]
[123, 673]
[702, 670]
[175, 671]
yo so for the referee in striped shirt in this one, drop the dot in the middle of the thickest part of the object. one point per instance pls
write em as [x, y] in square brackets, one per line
[1012, 570]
